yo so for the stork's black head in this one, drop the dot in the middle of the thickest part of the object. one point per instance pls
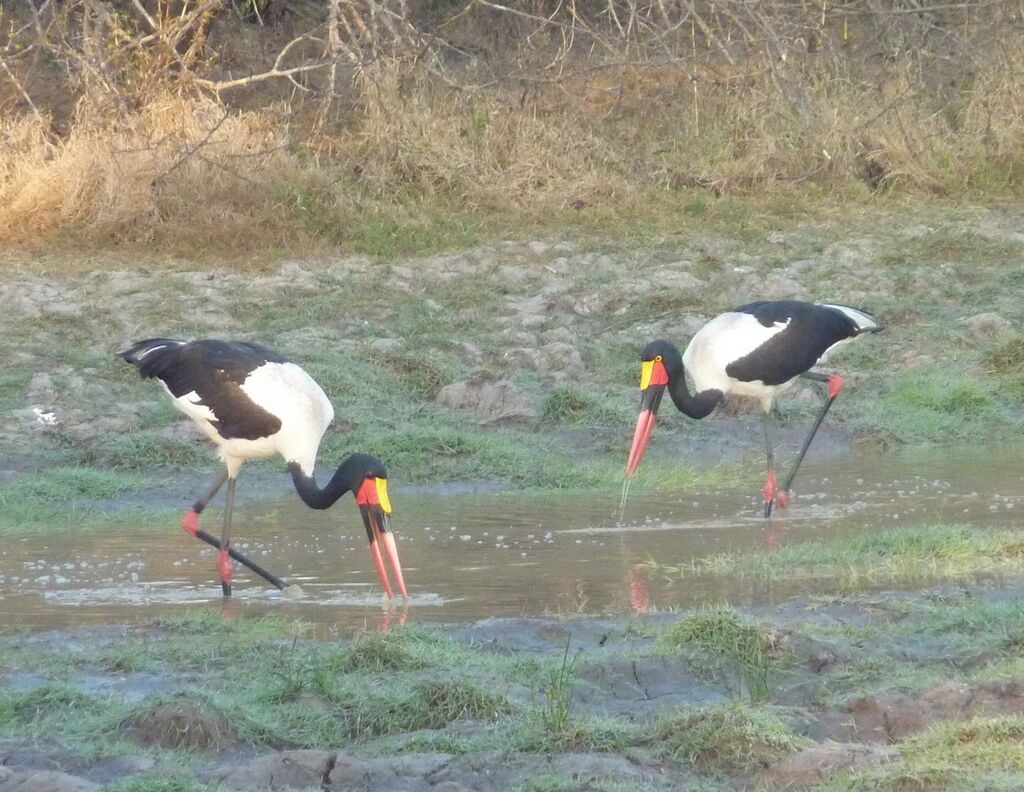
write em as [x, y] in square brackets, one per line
[659, 361]
[368, 480]
[359, 467]
[662, 351]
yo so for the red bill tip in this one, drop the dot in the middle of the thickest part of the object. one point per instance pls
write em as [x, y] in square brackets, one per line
[379, 563]
[388, 538]
[641, 436]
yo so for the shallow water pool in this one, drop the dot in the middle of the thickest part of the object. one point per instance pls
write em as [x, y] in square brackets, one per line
[472, 556]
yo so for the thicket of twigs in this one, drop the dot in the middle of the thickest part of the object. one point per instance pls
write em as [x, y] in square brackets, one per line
[122, 117]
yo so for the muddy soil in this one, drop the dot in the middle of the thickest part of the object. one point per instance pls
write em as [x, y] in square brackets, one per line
[619, 673]
[531, 337]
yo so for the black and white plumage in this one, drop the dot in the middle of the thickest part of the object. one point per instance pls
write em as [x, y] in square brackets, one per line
[756, 350]
[254, 403]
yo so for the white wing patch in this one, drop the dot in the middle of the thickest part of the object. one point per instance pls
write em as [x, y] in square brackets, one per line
[285, 390]
[189, 403]
[151, 350]
[863, 321]
[726, 338]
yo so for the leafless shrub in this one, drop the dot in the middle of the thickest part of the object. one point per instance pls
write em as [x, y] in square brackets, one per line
[545, 104]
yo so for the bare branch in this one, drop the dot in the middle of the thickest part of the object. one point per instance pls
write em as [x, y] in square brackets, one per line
[21, 90]
[225, 85]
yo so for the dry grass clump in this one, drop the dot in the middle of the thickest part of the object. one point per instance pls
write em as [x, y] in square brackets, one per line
[176, 161]
[414, 132]
[607, 136]
[181, 724]
[517, 111]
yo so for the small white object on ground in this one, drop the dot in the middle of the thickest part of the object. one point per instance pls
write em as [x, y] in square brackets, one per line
[45, 418]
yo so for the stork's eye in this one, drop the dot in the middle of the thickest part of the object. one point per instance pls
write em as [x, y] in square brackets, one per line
[657, 359]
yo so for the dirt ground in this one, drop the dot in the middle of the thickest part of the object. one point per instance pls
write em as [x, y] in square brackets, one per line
[624, 687]
[499, 364]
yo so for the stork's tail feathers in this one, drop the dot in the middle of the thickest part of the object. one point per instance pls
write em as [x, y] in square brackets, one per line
[864, 322]
[147, 354]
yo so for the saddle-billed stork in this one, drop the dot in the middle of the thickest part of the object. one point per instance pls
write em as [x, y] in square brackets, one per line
[755, 350]
[254, 403]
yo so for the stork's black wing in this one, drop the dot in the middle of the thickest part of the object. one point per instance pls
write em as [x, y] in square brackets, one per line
[214, 371]
[810, 331]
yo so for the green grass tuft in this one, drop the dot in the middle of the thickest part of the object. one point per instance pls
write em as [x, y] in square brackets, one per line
[162, 784]
[979, 755]
[380, 654]
[728, 648]
[566, 404]
[558, 689]
[724, 741]
[44, 701]
[933, 404]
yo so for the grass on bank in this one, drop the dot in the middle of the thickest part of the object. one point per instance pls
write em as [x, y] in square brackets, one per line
[985, 754]
[162, 784]
[899, 557]
[726, 741]
[929, 404]
[402, 691]
[65, 495]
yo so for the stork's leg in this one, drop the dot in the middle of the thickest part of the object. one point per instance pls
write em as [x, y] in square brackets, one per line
[771, 484]
[223, 555]
[835, 386]
[190, 522]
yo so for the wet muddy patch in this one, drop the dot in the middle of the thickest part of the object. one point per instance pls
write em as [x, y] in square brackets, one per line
[800, 695]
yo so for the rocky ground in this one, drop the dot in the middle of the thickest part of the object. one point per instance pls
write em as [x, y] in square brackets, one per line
[504, 363]
[477, 364]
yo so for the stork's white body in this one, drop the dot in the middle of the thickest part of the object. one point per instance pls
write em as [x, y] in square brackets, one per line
[284, 390]
[733, 335]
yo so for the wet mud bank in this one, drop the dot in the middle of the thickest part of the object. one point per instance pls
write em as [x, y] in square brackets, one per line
[838, 690]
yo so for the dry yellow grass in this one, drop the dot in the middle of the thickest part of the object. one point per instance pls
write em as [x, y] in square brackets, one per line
[177, 161]
[484, 149]
[173, 163]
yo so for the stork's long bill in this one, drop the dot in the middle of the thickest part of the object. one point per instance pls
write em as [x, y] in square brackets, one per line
[653, 380]
[375, 506]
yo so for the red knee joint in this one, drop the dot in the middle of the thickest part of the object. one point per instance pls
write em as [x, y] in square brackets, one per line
[224, 566]
[782, 499]
[770, 487]
[190, 522]
[835, 386]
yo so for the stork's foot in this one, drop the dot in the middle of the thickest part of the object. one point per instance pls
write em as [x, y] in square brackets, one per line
[224, 569]
[771, 486]
[835, 386]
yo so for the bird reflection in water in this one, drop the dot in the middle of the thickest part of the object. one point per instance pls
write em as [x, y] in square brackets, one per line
[639, 596]
[392, 616]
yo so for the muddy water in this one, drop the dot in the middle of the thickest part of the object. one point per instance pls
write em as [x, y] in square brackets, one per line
[470, 556]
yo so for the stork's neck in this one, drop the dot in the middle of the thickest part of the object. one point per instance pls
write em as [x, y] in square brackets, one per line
[696, 405]
[312, 495]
